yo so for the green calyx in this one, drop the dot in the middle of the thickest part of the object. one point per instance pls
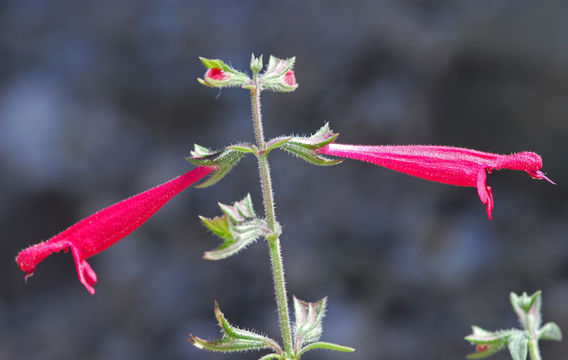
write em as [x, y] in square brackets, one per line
[306, 148]
[220, 75]
[223, 160]
[238, 227]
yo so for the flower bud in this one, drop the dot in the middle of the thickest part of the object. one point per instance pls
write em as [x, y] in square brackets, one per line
[256, 63]
[221, 75]
[279, 75]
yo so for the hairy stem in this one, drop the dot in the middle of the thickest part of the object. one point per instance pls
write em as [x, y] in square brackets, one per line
[531, 326]
[274, 244]
[534, 350]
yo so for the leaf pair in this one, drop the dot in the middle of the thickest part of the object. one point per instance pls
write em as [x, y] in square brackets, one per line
[307, 331]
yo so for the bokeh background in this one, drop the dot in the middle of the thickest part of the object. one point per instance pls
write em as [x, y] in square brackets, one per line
[99, 101]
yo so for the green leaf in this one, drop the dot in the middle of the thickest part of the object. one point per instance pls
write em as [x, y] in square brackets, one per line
[223, 160]
[309, 317]
[270, 356]
[307, 148]
[238, 227]
[309, 155]
[202, 152]
[550, 331]
[518, 345]
[276, 143]
[225, 345]
[234, 339]
[244, 148]
[321, 138]
[493, 340]
[326, 346]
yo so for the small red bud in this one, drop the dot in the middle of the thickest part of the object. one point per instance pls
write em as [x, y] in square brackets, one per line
[216, 74]
[482, 347]
[289, 78]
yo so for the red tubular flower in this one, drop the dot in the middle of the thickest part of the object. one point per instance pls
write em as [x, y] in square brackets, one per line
[101, 230]
[445, 164]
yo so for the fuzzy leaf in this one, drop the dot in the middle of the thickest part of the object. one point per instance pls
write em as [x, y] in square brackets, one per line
[223, 160]
[550, 331]
[309, 155]
[306, 147]
[271, 356]
[277, 142]
[233, 339]
[326, 346]
[518, 346]
[238, 227]
[244, 148]
[226, 344]
[318, 140]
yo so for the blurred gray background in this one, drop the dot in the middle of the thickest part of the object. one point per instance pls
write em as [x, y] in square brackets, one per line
[99, 101]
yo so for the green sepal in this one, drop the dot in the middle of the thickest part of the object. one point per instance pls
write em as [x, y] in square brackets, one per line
[225, 345]
[234, 339]
[550, 331]
[309, 318]
[326, 346]
[276, 143]
[495, 341]
[238, 227]
[321, 138]
[233, 77]
[306, 147]
[271, 356]
[245, 148]
[274, 77]
[223, 161]
[518, 345]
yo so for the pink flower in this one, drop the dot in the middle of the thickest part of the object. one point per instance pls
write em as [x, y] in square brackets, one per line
[448, 165]
[216, 74]
[99, 231]
[289, 78]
